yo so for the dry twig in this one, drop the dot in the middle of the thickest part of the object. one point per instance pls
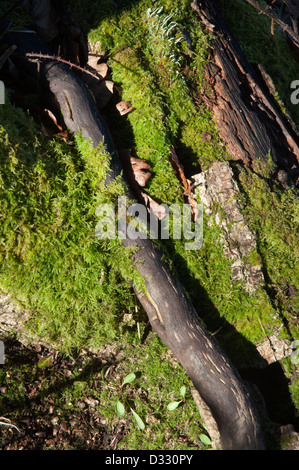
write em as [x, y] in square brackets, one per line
[273, 16]
[59, 59]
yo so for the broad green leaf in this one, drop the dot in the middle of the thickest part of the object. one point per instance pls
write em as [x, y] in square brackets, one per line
[120, 409]
[139, 421]
[205, 439]
[128, 379]
[173, 405]
[183, 391]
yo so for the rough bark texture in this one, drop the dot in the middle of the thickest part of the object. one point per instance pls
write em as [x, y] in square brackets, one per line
[248, 121]
[170, 312]
[217, 186]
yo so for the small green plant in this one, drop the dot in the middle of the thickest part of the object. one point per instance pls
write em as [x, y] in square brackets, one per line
[45, 362]
[163, 26]
[174, 404]
[121, 407]
[205, 439]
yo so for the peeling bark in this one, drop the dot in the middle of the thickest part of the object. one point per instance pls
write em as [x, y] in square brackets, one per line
[217, 186]
[248, 121]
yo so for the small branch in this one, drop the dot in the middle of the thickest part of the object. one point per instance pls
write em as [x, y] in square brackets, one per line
[275, 18]
[67, 62]
[6, 55]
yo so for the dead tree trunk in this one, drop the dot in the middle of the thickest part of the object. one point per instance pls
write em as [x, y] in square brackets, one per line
[170, 312]
[247, 119]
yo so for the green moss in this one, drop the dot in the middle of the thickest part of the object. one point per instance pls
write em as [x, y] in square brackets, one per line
[49, 194]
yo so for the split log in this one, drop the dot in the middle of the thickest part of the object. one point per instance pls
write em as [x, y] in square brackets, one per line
[170, 312]
[248, 121]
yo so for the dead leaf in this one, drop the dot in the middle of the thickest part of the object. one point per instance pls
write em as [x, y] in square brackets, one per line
[100, 68]
[48, 122]
[124, 107]
[180, 171]
[194, 210]
[139, 164]
[139, 167]
[136, 172]
[53, 119]
[185, 182]
[154, 207]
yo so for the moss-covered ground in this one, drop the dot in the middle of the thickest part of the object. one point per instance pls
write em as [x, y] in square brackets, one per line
[76, 285]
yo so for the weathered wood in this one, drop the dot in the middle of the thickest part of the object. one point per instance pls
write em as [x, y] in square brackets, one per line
[170, 312]
[247, 119]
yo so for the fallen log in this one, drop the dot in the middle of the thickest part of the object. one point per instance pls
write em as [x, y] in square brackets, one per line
[169, 310]
[249, 123]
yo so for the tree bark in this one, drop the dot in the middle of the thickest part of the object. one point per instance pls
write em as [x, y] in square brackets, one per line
[248, 121]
